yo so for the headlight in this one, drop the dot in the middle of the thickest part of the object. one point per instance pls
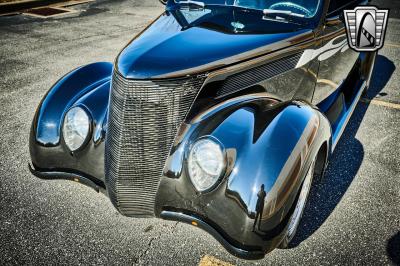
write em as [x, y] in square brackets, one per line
[206, 164]
[76, 128]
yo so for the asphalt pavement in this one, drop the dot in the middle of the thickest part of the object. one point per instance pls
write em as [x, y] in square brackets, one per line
[353, 216]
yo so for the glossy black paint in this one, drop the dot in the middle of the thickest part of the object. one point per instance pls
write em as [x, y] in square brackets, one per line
[92, 182]
[250, 128]
[167, 47]
[271, 130]
[199, 222]
[63, 95]
[89, 88]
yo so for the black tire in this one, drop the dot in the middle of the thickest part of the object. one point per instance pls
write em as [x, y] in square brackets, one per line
[164, 2]
[301, 203]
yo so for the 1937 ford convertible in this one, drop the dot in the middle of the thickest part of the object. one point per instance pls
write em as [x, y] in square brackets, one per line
[219, 114]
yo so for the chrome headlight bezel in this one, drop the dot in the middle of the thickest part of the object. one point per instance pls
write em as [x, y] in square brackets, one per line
[215, 178]
[84, 140]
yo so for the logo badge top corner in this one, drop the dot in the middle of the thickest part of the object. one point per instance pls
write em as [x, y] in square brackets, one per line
[366, 28]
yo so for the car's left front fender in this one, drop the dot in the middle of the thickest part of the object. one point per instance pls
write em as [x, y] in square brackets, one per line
[268, 144]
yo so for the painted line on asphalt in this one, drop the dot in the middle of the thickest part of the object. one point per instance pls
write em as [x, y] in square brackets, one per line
[397, 45]
[208, 260]
[381, 103]
[328, 82]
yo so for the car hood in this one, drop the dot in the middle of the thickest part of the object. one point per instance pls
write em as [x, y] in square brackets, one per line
[171, 47]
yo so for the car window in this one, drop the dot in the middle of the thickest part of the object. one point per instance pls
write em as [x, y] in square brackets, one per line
[308, 8]
[233, 20]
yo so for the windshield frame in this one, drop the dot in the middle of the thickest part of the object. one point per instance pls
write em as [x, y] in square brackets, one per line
[315, 19]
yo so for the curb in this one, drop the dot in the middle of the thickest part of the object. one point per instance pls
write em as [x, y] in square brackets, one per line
[14, 7]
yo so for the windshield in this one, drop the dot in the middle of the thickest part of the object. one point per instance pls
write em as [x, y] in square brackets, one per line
[302, 8]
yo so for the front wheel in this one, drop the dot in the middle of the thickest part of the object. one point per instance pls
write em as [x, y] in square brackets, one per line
[294, 220]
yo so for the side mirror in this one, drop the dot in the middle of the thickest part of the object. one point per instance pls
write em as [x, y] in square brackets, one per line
[164, 2]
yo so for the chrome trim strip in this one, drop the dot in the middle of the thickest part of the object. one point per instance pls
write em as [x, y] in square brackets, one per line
[346, 118]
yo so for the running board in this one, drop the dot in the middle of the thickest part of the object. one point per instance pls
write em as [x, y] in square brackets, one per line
[346, 117]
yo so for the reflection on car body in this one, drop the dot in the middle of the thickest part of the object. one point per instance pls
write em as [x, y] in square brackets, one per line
[213, 115]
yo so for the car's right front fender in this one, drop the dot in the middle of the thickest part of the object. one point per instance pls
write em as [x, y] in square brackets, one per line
[87, 87]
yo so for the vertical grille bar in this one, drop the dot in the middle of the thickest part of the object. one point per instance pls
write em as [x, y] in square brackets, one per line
[144, 117]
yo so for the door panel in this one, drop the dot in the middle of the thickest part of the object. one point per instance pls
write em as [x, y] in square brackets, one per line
[336, 59]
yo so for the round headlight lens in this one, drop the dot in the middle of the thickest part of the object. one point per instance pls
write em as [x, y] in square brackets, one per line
[206, 163]
[75, 128]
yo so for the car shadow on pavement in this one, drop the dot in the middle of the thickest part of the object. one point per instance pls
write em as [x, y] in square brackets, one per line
[393, 248]
[344, 162]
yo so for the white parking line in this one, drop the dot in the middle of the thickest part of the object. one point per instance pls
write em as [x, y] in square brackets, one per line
[208, 260]
[381, 103]
[396, 45]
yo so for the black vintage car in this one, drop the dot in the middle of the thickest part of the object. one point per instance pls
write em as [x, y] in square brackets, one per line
[219, 114]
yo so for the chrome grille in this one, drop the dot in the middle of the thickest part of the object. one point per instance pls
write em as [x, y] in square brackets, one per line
[144, 117]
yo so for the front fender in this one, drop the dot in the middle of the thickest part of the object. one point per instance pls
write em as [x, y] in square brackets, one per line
[63, 95]
[88, 87]
[267, 143]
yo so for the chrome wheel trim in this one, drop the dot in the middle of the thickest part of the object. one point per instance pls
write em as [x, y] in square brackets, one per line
[301, 203]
